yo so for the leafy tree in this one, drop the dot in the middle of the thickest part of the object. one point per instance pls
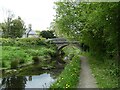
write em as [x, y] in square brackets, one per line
[94, 24]
[17, 28]
[4, 29]
[47, 34]
[13, 29]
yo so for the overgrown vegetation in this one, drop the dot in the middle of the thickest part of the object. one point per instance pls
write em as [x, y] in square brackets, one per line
[70, 76]
[105, 73]
[23, 42]
[12, 28]
[47, 34]
[23, 50]
[96, 25]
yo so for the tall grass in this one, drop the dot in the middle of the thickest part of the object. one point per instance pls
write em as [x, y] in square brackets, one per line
[24, 55]
[69, 78]
[106, 73]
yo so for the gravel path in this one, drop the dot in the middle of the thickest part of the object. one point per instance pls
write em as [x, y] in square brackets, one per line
[86, 78]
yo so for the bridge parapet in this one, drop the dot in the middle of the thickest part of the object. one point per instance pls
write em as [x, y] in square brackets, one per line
[65, 42]
[61, 42]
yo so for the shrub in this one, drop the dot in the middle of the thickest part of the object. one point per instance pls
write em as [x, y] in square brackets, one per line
[36, 59]
[22, 41]
[22, 61]
[14, 64]
[23, 49]
[3, 64]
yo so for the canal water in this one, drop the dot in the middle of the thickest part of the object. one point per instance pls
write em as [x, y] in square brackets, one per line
[36, 81]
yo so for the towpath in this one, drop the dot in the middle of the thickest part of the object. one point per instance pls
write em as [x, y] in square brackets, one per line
[86, 78]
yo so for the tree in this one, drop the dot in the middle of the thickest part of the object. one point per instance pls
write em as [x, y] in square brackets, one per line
[4, 28]
[47, 34]
[7, 21]
[13, 28]
[94, 24]
[29, 29]
[17, 28]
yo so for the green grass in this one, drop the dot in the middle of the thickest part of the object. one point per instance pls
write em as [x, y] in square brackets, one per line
[10, 53]
[104, 72]
[69, 78]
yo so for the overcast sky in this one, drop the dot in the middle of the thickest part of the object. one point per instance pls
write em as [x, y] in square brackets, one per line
[39, 13]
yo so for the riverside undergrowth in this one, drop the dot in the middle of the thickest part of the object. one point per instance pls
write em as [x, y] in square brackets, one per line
[23, 50]
[105, 71]
[69, 78]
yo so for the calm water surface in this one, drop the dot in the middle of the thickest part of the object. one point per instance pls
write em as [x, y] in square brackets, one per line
[39, 81]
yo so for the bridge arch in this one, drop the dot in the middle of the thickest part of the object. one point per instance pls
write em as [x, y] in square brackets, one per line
[62, 46]
[61, 43]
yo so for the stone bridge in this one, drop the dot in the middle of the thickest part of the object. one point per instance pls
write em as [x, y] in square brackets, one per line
[61, 42]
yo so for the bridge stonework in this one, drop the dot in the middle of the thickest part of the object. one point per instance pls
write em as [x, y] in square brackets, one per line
[61, 42]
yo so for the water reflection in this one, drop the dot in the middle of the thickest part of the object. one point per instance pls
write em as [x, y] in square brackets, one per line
[42, 81]
[14, 82]
[23, 82]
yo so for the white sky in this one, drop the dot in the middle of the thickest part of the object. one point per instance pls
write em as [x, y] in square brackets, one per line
[39, 13]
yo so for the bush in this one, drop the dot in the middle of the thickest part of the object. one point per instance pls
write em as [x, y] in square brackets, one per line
[23, 49]
[36, 59]
[22, 41]
[23, 54]
[22, 61]
[3, 64]
[14, 64]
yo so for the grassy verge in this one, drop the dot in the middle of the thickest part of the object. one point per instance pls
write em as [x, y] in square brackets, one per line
[23, 54]
[70, 76]
[104, 72]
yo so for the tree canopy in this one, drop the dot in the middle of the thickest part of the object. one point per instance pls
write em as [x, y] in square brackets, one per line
[47, 34]
[94, 23]
[13, 28]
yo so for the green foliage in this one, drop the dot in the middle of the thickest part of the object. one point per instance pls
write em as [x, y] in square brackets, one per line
[10, 53]
[14, 64]
[7, 41]
[22, 61]
[23, 42]
[97, 25]
[23, 54]
[24, 49]
[40, 51]
[71, 50]
[47, 34]
[70, 75]
[36, 59]
[3, 64]
[13, 28]
[93, 23]
[105, 73]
